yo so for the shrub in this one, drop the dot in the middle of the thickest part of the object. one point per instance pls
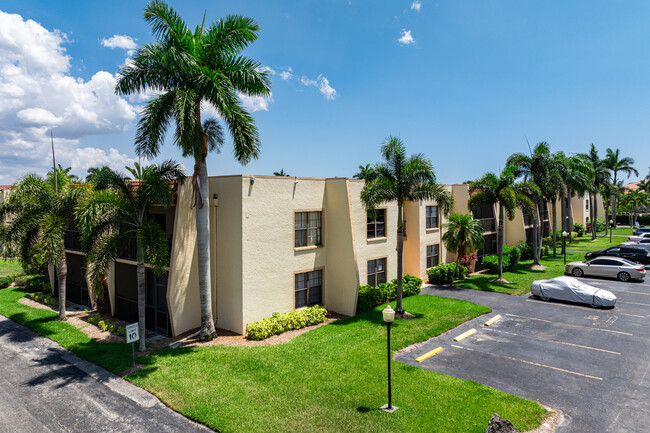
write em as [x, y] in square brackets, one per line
[525, 249]
[45, 298]
[38, 283]
[513, 254]
[5, 281]
[442, 274]
[35, 262]
[113, 328]
[279, 323]
[370, 297]
[545, 250]
[579, 229]
[411, 286]
[491, 262]
[548, 241]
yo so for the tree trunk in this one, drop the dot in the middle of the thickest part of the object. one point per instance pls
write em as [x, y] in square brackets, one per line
[453, 276]
[535, 230]
[208, 331]
[500, 241]
[554, 210]
[62, 272]
[594, 223]
[563, 216]
[400, 249]
[568, 191]
[141, 302]
[614, 203]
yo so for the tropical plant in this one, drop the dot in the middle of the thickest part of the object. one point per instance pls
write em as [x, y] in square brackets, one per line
[115, 212]
[504, 192]
[280, 173]
[597, 175]
[401, 178]
[576, 182]
[138, 170]
[37, 213]
[636, 201]
[365, 172]
[617, 164]
[187, 69]
[463, 234]
[93, 172]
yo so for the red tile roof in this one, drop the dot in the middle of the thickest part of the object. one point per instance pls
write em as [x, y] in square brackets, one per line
[632, 186]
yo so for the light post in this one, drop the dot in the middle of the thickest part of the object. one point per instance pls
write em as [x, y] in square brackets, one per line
[611, 224]
[389, 315]
[564, 235]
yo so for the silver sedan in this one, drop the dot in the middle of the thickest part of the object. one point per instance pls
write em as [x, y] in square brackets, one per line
[612, 267]
[643, 243]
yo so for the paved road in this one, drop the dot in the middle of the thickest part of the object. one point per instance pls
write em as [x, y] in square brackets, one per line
[44, 388]
[593, 364]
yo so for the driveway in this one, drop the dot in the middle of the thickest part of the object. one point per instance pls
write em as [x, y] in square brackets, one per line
[45, 388]
[593, 364]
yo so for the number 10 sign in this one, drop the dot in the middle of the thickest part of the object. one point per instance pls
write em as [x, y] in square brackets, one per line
[132, 335]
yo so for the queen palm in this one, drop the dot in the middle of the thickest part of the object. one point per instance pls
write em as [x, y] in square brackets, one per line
[401, 178]
[597, 175]
[116, 212]
[616, 164]
[464, 235]
[504, 192]
[37, 212]
[187, 69]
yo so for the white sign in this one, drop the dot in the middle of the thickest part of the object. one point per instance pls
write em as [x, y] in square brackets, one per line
[132, 333]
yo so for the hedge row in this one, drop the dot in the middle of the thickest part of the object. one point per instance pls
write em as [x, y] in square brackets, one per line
[624, 219]
[279, 323]
[370, 297]
[443, 273]
[45, 298]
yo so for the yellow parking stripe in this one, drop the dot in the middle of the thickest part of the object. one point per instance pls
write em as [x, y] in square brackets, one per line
[465, 335]
[493, 320]
[572, 326]
[429, 354]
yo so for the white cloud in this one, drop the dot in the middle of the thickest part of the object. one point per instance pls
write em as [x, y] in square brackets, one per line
[266, 69]
[255, 103]
[38, 94]
[416, 6]
[406, 38]
[120, 41]
[322, 84]
[286, 75]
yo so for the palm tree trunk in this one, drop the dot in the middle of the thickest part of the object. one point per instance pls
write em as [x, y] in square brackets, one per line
[535, 230]
[594, 223]
[563, 216]
[400, 250]
[568, 193]
[208, 331]
[141, 301]
[62, 272]
[500, 241]
[554, 210]
[453, 276]
[613, 200]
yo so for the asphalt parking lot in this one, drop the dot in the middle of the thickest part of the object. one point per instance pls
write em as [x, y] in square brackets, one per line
[593, 364]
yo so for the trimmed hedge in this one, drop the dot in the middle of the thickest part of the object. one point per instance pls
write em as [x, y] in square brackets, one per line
[513, 254]
[279, 323]
[624, 219]
[369, 296]
[491, 263]
[113, 328]
[443, 273]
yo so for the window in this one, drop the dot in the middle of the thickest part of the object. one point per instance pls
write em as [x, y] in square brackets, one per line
[309, 288]
[432, 217]
[308, 228]
[377, 224]
[614, 250]
[376, 272]
[432, 255]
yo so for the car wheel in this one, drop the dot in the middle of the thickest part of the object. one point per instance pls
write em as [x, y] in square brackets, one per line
[577, 272]
[594, 306]
[544, 298]
[623, 276]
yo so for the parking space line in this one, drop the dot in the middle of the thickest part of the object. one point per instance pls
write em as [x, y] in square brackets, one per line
[627, 291]
[634, 303]
[530, 362]
[570, 325]
[632, 315]
[583, 308]
[554, 341]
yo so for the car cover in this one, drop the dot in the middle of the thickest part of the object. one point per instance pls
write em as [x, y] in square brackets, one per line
[570, 289]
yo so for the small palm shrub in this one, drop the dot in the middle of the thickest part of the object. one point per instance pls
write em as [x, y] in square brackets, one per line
[279, 323]
[443, 273]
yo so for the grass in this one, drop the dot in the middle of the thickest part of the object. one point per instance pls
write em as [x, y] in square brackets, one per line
[10, 267]
[330, 379]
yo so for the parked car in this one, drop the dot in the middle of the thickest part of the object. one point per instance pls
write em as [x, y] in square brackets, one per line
[633, 253]
[637, 231]
[643, 243]
[645, 235]
[610, 267]
[572, 290]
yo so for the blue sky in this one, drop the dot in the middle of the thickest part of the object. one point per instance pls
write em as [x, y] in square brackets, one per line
[465, 85]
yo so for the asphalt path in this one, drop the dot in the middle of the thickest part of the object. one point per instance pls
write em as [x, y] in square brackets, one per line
[592, 364]
[45, 388]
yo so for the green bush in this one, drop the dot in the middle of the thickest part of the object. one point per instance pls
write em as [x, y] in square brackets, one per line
[38, 283]
[548, 241]
[491, 263]
[525, 249]
[442, 274]
[113, 328]
[545, 250]
[279, 323]
[35, 262]
[45, 298]
[370, 297]
[579, 229]
[513, 254]
[5, 281]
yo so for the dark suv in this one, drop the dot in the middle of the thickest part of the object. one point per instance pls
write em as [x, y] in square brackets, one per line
[634, 254]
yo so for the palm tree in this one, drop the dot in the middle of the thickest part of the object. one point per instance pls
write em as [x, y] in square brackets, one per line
[280, 173]
[401, 178]
[37, 213]
[137, 171]
[502, 191]
[636, 201]
[94, 172]
[598, 175]
[576, 182]
[116, 212]
[365, 172]
[616, 164]
[187, 69]
[464, 235]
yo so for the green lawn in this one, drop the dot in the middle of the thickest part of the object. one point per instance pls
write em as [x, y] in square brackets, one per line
[10, 267]
[330, 379]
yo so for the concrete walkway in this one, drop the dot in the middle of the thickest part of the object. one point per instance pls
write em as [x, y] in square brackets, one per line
[45, 388]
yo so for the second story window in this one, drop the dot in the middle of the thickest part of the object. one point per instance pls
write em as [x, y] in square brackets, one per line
[432, 217]
[307, 229]
[377, 224]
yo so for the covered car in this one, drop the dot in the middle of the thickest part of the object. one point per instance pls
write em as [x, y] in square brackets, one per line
[570, 289]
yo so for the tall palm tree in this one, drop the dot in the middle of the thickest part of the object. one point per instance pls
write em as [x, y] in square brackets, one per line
[280, 173]
[616, 164]
[504, 192]
[115, 212]
[37, 212]
[598, 175]
[575, 180]
[365, 172]
[401, 178]
[464, 235]
[636, 201]
[94, 172]
[187, 69]
[535, 168]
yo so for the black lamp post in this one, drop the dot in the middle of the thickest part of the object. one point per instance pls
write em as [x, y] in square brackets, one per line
[389, 315]
[564, 234]
[611, 224]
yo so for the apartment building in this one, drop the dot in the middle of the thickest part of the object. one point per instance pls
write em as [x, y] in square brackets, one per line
[279, 244]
